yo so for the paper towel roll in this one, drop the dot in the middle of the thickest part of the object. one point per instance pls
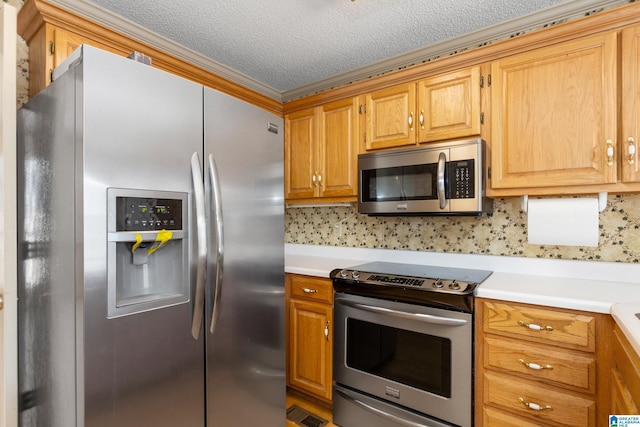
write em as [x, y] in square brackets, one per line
[563, 221]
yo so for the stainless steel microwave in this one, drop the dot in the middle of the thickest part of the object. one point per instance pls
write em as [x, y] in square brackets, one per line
[436, 179]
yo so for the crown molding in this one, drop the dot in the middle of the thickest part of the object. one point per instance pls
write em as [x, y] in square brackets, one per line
[134, 31]
[505, 30]
[546, 17]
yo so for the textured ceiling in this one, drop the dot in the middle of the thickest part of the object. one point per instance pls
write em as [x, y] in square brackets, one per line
[285, 45]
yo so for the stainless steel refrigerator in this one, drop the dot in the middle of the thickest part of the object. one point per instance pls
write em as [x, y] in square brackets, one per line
[151, 252]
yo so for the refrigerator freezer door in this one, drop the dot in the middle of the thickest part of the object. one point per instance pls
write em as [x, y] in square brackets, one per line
[118, 124]
[246, 351]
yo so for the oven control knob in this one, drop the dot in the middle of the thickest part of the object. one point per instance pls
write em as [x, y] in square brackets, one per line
[454, 285]
[355, 274]
[437, 284]
[344, 274]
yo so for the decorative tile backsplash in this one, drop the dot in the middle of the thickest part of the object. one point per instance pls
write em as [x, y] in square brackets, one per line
[503, 233]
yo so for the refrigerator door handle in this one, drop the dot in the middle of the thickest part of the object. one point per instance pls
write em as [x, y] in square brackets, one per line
[201, 230]
[216, 202]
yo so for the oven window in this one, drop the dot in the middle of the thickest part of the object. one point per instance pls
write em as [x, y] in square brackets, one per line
[411, 358]
[400, 183]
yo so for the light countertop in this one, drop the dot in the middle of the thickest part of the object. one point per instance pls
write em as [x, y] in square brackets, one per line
[600, 287]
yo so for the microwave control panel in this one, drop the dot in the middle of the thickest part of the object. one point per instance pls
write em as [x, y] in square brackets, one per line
[461, 183]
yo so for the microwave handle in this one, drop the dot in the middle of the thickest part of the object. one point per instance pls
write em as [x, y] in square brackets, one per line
[442, 161]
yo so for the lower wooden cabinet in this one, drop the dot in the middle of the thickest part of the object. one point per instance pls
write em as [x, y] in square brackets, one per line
[310, 335]
[541, 366]
[625, 380]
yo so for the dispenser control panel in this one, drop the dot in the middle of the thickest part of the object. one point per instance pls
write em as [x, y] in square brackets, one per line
[142, 214]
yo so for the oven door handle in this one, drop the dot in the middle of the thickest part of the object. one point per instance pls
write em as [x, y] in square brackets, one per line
[376, 411]
[427, 318]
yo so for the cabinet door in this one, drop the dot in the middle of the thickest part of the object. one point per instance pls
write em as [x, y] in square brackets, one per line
[630, 104]
[338, 160]
[310, 359]
[449, 105]
[300, 144]
[391, 120]
[554, 115]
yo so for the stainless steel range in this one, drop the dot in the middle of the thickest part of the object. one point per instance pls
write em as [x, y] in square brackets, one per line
[403, 351]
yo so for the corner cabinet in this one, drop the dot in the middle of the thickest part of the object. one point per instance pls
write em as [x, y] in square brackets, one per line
[625, 381]
[310, 335]
[441, 107]
[321, 152]
[541, 366]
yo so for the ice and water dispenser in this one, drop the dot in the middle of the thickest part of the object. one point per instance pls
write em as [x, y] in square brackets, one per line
[148, 253]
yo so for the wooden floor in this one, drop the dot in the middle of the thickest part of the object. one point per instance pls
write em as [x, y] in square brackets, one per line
[315, 407]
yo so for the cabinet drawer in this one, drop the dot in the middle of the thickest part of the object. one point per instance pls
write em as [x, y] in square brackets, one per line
[547, 326]
[542, 363]
[312, 288]
[493, 417]
[561, 408]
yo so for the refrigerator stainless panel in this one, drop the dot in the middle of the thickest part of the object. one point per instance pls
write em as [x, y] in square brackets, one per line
[126, 125]
[47, 259]
[246, 351]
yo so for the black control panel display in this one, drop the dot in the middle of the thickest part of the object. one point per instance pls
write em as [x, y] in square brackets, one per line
[460, 175]
[141, 214]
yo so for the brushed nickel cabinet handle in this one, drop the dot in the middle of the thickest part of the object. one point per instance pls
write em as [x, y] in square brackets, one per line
[535, 366]
[534, 327]
[411, 120]
[309, 291]
[421, 118]
[631, 150]
[534, 406]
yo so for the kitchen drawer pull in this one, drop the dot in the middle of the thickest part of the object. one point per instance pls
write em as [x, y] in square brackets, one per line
[534, 406]
[309, 291]
[535, 366]
[326, 331]
[410, 121]
[534, 327]
[631, 149]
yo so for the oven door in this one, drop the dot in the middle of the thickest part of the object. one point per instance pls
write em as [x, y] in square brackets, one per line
[404, 354]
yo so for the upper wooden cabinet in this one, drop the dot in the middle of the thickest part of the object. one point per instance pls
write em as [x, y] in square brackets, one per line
[630, 163]
[390, 117]
[566, 117]
[321, 149]
[554, 115]
[436, 108]
[449, 105]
